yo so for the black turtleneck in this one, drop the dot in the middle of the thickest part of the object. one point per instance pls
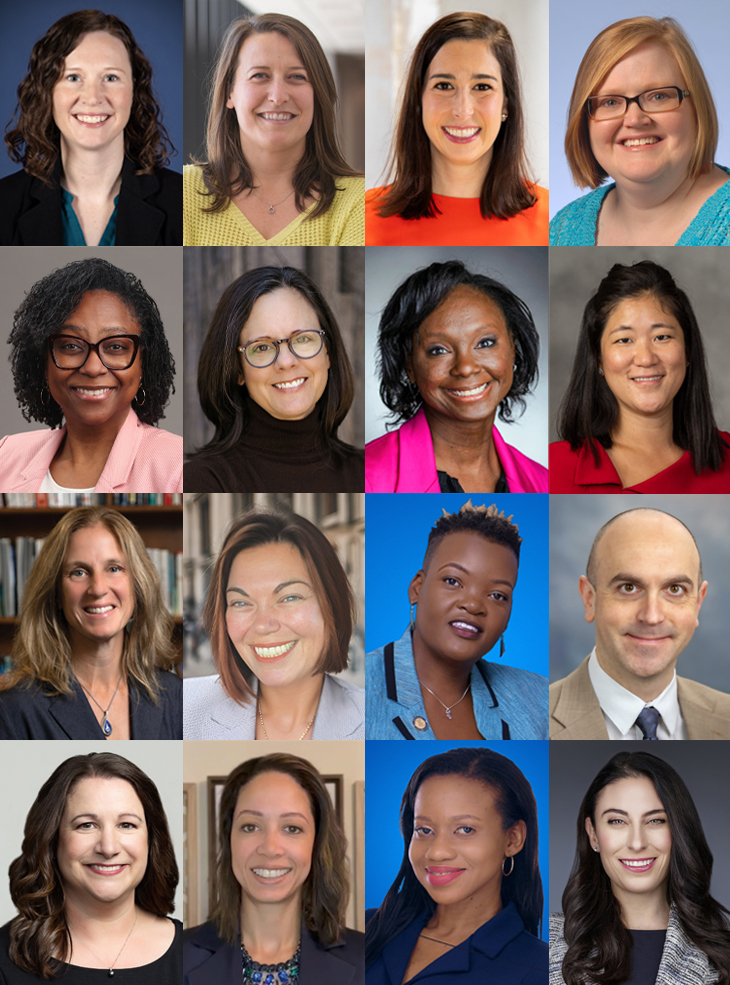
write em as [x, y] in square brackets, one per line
[277, 456]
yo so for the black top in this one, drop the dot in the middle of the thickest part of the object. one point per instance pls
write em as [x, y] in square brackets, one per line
[646, 956]
[277, 456]
[32, 713]
[207, 960]
[448, 484]
[149, 211]
[167, 970]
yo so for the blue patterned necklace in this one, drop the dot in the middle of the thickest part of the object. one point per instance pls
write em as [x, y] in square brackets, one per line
[106, 725]
[284, 973]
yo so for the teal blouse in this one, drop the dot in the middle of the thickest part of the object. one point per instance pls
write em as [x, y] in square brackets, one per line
[73, 234]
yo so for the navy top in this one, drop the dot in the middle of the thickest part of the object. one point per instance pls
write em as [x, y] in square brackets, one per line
[501, 952]
[646, 956]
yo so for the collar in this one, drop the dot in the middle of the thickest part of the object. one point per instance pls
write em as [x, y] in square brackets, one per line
[274, 440]
[623, 707]
[587, 473]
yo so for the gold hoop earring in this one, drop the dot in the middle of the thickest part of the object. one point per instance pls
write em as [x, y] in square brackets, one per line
[512, 867]
[44, 390]
[140, 403]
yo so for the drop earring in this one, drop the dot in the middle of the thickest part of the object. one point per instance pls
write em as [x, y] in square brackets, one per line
[501, 645]
[412, 625]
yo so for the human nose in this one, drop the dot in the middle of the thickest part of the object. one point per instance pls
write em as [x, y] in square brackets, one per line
[271, 843]
[644, 353]
[93, 366]
[463, 104]
[636, 840]
[108, 843]
[277, 92]
[91, 91]
[265, 620]
[286, 357]
[635, 115]
[97, 584]
[472, 601]
[465, 362]
[651, 611]
[440, 848]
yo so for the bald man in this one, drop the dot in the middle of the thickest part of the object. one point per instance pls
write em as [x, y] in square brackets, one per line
[643, 590]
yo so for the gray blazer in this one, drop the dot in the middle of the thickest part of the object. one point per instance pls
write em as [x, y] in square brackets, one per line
[210, 714]
[682, 961]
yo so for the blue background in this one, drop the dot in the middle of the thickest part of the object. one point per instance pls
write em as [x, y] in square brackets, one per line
[157, 26]
[397, 527]
[388, 768]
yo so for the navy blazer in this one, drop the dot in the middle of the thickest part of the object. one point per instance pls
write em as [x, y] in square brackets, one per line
[207, 960]
[32, 713]
[149, 211]
[501, 952]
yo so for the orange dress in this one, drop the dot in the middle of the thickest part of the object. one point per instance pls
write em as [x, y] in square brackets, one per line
[459, 223]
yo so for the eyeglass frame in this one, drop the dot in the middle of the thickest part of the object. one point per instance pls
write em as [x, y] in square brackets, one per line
[136, 340]
[682, 93]
[277, 342]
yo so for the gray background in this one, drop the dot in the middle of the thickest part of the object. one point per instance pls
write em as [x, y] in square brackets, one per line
[704, 275]
[27, 765]
[160, 271]
[573, 27]
[573, 765]
[523, 269]
[575, 521]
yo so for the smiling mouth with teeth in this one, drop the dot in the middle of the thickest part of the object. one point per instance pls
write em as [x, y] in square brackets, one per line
[474, 391]
[91, 119]
[462, 131]
[268, 652]
[277, 117]
[290, 384]
[637, 863]
[270, 873]
[639, 141]
[98, 610]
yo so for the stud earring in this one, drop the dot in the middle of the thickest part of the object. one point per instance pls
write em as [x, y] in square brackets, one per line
[504, 117]
[600, 371]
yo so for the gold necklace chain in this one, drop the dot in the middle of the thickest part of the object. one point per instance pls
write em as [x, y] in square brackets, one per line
[110, 973]
[263, 727]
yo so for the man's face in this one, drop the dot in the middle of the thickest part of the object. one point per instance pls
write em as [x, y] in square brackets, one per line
[645, 600]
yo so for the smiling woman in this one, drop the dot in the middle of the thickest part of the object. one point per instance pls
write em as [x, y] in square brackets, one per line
[95, 881]
[89, 136]
[433, 683]
[90, 359]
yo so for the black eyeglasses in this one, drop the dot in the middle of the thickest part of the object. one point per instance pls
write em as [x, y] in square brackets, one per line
[264, 352]
[114, 352]
[612, 107]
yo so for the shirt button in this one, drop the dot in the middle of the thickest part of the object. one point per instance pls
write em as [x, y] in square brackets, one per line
[420, 723]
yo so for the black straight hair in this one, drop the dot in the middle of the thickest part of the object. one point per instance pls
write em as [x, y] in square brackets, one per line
[589, 411]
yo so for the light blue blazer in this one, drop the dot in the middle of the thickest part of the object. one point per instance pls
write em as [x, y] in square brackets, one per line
[508, 703]
[208, 712]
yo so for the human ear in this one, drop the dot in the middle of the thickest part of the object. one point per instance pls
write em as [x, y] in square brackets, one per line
[414, 589]
[591, 832]
[588, 594]
[700, 599]
[516, 837]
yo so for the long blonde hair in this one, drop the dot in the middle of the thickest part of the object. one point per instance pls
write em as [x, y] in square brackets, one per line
[41, 652]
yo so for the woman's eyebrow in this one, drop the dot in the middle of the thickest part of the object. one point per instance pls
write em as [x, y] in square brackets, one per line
[284, 584]
[448, 75]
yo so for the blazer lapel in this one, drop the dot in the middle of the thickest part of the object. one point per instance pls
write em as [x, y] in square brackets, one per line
[701, 721]
[223, 965]
[72, 712]
[41, 225]
[122, 456]
[137, 220]
[322, 966]
[576, 713]
[682, 963]
[416, 459]
[145, 718]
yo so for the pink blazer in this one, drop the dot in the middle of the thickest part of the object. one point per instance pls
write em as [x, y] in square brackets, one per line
[142, 459]
[403, 461]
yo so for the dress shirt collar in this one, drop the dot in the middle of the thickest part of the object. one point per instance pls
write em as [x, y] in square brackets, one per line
[623, 708]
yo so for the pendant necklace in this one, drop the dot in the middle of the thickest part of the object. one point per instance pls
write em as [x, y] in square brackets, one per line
[106, 725]
[110, 973]
[272, 208]
[447, 707]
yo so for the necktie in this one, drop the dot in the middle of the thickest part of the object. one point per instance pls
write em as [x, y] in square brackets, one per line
[648, 721]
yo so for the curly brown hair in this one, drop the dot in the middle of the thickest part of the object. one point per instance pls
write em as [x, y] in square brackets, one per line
[36, 886]
[32, 135]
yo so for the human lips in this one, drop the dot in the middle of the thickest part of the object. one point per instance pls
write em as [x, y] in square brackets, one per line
[91, 119]
[92, 392]
[270, 875]
[648, 379]
[638, 864]
[635, 142]
[99, 610]
[274, 651]
[290, 385]
[461, 135]
[105, 870]
[470, 392]
[442, 875]
[466, 629]
[276, 117]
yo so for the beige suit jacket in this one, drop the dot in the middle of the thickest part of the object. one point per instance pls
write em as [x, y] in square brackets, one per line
[576, 714]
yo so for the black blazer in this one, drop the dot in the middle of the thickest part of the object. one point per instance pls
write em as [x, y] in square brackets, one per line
[32, 713]
[207, 960]
[149, 211]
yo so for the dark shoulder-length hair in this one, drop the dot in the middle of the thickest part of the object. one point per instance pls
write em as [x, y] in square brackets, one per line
[226, 172]
[599, 945]
[279, 525]
[224, 400]
[406, 899]
[46, 307]
[327, 887]
[32, 135]
[418, 297]
[36, 885]
[506, 189]
[589, 411]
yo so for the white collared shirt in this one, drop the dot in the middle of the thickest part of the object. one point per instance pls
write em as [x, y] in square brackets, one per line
[621, 708]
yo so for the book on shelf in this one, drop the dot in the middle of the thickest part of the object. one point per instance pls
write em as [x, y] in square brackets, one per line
[68, 500]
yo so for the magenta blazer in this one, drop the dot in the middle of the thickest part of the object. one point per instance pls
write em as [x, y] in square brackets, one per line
[403, 461]
[142, 459]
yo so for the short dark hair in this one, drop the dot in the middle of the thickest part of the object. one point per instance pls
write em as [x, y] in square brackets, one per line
[506, 190]
[599, 945]
[279, 525]
[589, 411]
[223, 399]
[487, 521]
[326, 889]
[34, 140]
[36, 885]
[419, 296]
[47, 306]
[407, 899]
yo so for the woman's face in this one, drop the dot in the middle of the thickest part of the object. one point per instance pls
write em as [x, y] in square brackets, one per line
[94, 396]
[463, 103]
[290, 387]
[273, 615]
[272, 96]
[102, 842]
[92, 100]
[96, 592]
[643, 356]
[631, 832]
[462, 357]
[272, 839]
[459, 842]
[641, 148]
[464, 597]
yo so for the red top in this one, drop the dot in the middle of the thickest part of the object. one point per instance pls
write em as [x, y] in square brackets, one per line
[460, 223]
[576, 472]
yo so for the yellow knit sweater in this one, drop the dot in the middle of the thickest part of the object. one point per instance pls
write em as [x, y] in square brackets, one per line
[343, 224]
